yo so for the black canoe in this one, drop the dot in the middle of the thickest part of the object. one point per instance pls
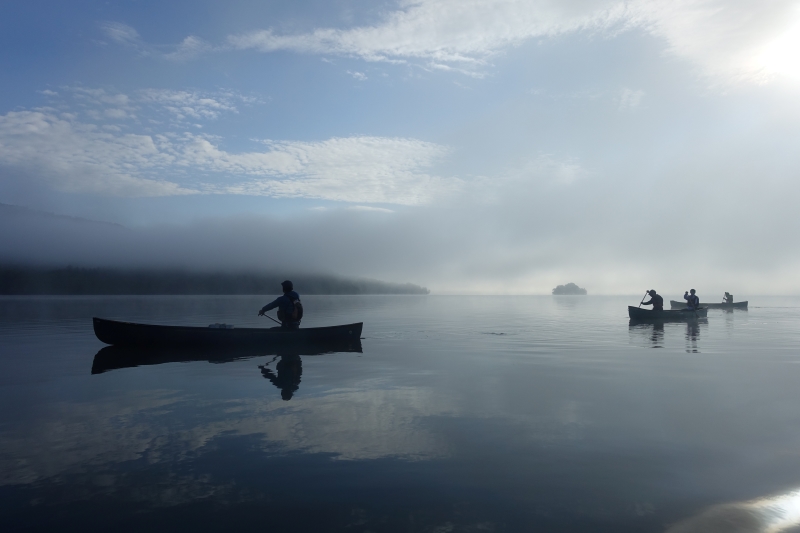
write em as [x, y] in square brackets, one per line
[131, 334]
[648, 315]
[735, 305]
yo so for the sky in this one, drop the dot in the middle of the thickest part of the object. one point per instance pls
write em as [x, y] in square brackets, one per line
[493, 146]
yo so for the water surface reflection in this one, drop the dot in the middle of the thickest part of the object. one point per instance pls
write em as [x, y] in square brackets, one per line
[567, 422]
[116, 357]
[772, 514]
[656, 334]
[286, 375]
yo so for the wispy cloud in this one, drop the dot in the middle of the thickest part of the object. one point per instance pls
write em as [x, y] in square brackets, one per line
[724, 38]
[370, 209]
[630, 99]
[195, 104]
[121, 33]
[127, 36]
[350, 169]
[77, 156]
[360, 76]
[189, 48]
[180, 106]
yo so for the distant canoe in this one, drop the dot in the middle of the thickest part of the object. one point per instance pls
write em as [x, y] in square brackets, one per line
[648, 315]
[131, 334]
[735, 305]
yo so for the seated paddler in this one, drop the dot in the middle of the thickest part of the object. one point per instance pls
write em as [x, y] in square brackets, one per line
[728, 298]
[656, 300]
[290, 309]
[692, 300]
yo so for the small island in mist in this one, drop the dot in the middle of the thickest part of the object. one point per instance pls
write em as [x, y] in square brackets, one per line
[570, 289]
[18, 280]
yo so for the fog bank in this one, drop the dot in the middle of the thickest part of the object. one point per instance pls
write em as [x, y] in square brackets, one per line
[71, 280]
[456, 249]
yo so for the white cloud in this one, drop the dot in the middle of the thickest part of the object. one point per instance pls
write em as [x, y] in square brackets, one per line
[360, 76]
[725, 38]
[100, 96]
[73, 157]
[183, 104]
[630, 99]
[369, 208]
[127, 36]
[116, 113]
[76, 156]
[463, 31]
[350, 169]
[190, 47]
[121, 33]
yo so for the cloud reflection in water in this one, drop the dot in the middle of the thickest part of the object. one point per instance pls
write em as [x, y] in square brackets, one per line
[773, 514]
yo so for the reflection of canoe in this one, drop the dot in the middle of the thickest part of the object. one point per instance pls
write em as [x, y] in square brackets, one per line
[648, 315]
[130, 334]
[113, 357]
[735, 305]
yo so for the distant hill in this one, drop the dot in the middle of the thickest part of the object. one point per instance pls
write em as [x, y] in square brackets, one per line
[569, 289]
[77, 280]
[36, 248]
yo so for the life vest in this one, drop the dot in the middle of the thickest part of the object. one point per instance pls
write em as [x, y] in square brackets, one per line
[693, 301]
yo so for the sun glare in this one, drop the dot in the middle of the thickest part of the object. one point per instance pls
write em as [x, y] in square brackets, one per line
[782, 56]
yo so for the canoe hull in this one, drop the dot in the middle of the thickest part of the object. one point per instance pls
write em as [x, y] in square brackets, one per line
[647, 315]
[131, 334]
[735, 305]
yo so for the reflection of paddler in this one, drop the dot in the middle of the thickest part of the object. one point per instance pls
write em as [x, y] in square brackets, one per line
[657, 338]
[289, 369]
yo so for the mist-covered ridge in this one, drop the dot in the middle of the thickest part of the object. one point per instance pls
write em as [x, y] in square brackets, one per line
[78, 280]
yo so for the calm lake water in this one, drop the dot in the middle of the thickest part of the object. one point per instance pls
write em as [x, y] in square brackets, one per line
[474, 414]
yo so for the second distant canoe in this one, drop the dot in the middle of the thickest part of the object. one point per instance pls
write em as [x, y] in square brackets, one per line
[735, 305]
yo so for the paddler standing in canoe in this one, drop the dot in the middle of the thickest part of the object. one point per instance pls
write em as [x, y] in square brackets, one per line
[656, 300]
[290, 310]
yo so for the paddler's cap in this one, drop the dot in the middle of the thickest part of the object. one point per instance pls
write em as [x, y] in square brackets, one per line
[692, 291]
[651, 291]
[287, 285]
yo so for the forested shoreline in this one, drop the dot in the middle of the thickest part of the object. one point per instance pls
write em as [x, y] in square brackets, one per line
[22, 280]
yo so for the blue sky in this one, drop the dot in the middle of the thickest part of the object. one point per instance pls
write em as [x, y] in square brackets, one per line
[492, 146]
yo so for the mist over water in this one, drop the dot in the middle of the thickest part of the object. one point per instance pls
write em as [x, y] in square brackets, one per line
[461, 413]
[459, 249]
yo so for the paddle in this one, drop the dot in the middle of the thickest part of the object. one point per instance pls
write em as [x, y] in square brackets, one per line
[643, 297]
[271, 319]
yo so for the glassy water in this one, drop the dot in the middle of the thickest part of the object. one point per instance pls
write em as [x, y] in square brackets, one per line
[475, 414]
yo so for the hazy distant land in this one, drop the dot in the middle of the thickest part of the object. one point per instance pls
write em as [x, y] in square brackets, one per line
[78, 280]
[570, 289]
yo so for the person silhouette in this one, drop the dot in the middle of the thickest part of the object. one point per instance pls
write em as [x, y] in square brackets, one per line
[692, 300]
[656, 300]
